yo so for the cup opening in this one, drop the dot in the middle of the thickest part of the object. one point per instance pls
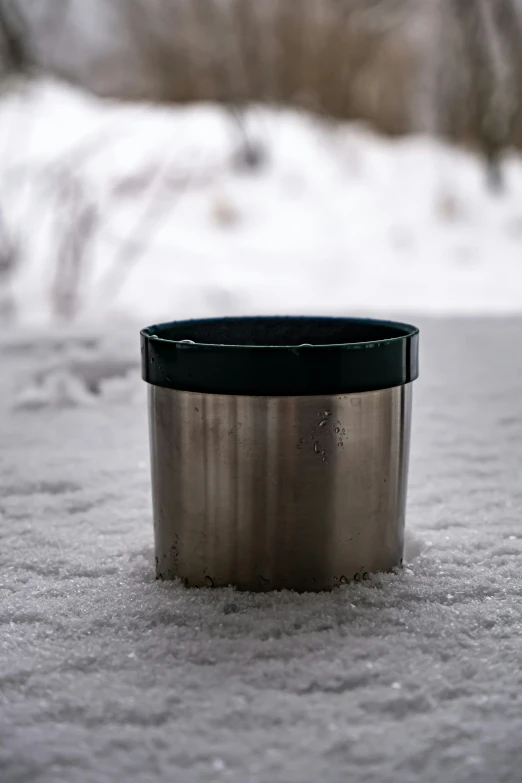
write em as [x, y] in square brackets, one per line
[280, 332]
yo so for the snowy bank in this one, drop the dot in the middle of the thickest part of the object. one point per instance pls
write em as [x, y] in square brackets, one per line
[144, 211]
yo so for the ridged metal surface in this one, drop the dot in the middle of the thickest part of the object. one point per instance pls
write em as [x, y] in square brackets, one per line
[284, 492]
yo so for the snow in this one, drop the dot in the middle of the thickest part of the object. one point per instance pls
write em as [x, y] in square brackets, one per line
[339, 220]
[106, 674]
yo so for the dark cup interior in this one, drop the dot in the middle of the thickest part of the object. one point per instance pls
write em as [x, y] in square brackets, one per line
[277, 332]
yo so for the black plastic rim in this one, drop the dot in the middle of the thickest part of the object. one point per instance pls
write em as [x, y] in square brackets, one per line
[280, 356]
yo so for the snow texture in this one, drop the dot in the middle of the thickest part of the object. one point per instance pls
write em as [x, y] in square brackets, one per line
[107, 675]
[148, 210]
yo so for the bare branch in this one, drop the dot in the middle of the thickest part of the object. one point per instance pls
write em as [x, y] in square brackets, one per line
[13, 39]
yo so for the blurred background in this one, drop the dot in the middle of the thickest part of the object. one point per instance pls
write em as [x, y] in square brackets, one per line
[163, 159]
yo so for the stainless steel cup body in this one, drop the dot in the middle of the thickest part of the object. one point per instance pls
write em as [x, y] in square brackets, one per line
[271, 492]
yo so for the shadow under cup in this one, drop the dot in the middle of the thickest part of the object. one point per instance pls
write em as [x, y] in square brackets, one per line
[279, 449]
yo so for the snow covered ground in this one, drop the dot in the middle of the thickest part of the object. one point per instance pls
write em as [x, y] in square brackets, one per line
[150, 205]
[107, 675]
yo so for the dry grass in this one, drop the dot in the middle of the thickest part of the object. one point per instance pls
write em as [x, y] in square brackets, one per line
[480, 73]
[79, 219]
[323, 55]
[346, 59]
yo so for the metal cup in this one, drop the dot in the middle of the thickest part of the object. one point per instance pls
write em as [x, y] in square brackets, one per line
[279, 449]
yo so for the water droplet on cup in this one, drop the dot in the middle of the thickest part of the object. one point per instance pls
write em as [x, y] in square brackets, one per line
[187, 342]
[328, 413]
[344, 580]
[337, 429]
[316, 447]
[305, 345]
[323, 422]
[209, 581]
